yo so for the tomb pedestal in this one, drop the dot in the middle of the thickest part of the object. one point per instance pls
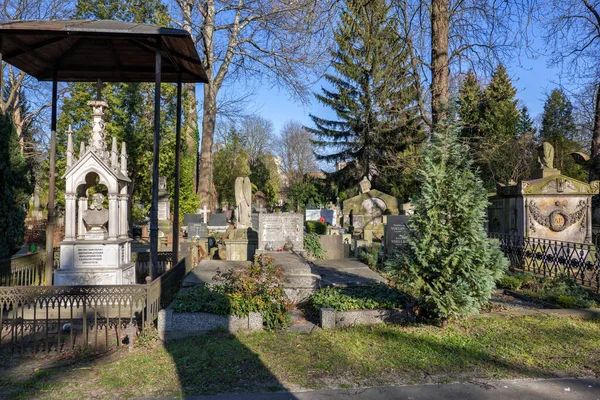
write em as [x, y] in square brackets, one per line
[242, 245]
[91, 262]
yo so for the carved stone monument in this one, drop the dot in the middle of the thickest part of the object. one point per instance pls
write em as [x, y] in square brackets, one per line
[96, 249]
[242, 242]
[551, 206]
[368, 207]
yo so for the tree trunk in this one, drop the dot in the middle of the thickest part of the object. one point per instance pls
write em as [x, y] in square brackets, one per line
[191, 128]
[208, 131]
[439, 58]
[594, 174]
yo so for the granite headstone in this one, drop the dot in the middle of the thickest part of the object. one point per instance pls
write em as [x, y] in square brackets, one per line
[396, 230]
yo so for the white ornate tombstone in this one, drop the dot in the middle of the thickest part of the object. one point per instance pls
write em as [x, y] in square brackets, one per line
[96, 249]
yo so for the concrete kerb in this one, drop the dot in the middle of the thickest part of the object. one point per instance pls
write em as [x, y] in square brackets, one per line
[172, 325]
[332, 319]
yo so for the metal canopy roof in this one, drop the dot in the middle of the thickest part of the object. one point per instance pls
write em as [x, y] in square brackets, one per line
[112, 51]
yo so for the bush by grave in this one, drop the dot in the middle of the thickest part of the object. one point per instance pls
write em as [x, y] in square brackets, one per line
[448, 263]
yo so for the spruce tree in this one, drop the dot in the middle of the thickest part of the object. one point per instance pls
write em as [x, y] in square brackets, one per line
[469, 107]
[372, 94]
[559, 129]
[448, 263]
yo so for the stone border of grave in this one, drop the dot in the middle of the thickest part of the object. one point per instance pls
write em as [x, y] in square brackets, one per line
[333, 319]
[172, 325]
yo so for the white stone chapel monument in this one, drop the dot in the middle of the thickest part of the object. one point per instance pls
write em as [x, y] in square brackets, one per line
[96, 249]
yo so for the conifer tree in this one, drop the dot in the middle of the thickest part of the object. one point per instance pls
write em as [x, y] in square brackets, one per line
[15, 188]
[490, 119]
[559, 129]
[448, 263]
[371, 95]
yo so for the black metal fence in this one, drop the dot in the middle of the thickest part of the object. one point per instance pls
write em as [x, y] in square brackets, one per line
[61, 318]
[552, 257]
[26, 270]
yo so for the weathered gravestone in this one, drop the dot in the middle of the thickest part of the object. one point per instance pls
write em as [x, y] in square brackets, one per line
[396, 230]
[195, 225]
[218, 222]
[276, 231]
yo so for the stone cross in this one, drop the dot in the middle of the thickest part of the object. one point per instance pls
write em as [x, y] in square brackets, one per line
[205, 211]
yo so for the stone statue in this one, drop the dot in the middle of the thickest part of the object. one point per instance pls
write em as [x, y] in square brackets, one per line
[546, 155]
[162, 183]
[243, 200]
[365, 185]
[96, 218]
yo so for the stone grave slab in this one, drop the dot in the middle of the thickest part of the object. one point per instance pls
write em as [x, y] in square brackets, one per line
[275, 230]
[218, 222]
[312, 214]
[396, 230]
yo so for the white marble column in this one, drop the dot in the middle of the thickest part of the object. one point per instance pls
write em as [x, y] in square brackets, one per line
[70, 216]
[123, 225]
[113, 216]
[83, 205]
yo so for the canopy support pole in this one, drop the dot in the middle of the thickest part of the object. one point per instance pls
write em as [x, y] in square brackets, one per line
[155, 160]
[177, 176]
[51, 184]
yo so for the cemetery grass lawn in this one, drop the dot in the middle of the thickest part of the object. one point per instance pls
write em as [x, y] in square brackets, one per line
[479, 348]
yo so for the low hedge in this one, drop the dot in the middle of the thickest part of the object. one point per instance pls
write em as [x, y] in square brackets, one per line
[377, 296]
[318, 227]
[560, 290]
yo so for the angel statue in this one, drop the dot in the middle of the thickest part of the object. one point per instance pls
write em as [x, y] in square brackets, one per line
[243, 200]
[546, 155]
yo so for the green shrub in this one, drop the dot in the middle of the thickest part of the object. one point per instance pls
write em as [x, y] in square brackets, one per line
[378, 296]
[255, 288]
[561, 290]
[369, 255]
[509, 282]
[318, 227]
[313, 247]
[448, 263]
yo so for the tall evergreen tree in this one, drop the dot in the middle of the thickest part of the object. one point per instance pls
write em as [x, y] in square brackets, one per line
[372, 94]
[15, 189]
[448, 263]
[559, 129]
[490, 119]
[469, 108]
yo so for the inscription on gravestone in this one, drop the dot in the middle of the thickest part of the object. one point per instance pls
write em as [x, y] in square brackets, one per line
[90, 255]
[275, 230]
[396, 230]
[163, 210]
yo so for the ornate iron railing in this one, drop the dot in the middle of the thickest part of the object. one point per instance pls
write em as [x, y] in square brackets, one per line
[142, 263]
[61, 318]
[543, 257]
[27, 270]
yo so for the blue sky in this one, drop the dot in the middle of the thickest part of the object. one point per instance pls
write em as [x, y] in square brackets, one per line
[532, 78]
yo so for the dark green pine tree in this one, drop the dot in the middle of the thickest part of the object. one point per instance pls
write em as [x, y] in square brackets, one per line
[372, 95]
[525, 125]
[448, 263]
[559, 129]
[490, 119]
[15, 189]
[469, 108]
